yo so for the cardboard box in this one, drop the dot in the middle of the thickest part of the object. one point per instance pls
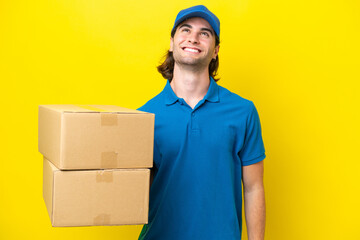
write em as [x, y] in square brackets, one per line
[96, 136]
[91, 197]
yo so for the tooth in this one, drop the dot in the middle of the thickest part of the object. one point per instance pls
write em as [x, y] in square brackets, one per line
[191, 50]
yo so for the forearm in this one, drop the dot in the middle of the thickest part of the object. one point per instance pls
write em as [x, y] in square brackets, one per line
[254, 201]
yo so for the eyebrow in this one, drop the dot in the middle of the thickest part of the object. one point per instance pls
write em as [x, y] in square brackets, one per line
[202, 29]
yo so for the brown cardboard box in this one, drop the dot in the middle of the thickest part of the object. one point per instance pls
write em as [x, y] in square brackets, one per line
[96, 136]
[93, 197]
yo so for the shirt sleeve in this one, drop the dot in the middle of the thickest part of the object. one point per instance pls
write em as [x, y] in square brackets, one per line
[253, 149]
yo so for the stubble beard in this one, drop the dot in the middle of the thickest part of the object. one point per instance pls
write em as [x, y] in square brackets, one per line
[194, 64]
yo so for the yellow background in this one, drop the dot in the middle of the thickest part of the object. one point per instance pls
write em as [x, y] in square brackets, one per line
[298, 61]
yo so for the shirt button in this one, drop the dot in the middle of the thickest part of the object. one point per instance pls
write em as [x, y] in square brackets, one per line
[192, 114]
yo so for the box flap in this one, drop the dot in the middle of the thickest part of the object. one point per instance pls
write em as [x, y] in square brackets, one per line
[65, 108]
[78, 108]
[113, 108]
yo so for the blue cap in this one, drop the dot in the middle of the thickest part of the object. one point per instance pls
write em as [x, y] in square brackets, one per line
[198, 11]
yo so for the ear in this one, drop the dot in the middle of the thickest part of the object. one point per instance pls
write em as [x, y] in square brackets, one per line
[171, 44]
[216, 51]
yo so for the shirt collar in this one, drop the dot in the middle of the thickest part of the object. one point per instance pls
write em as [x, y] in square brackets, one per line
[212, 94]
[170, 96]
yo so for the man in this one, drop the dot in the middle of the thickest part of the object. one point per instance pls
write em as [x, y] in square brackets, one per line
[207, 142]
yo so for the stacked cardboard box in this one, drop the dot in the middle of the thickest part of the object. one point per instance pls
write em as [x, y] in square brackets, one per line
[96, 164]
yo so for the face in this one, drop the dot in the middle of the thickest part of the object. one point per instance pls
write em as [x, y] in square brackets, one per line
[194, 43]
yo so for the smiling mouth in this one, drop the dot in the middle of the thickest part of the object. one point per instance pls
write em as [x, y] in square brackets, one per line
[192, 50]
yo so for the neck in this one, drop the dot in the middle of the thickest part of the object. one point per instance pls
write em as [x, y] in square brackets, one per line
[191, 85]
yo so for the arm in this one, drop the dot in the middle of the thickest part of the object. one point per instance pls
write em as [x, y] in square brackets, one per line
[254, 200]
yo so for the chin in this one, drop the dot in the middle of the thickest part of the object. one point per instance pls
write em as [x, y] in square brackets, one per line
[191, 61]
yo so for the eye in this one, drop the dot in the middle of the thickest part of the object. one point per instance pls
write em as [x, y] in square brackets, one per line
[185, 30]
[206, 34]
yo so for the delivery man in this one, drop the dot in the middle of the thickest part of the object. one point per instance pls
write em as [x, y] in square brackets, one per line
[207, 143]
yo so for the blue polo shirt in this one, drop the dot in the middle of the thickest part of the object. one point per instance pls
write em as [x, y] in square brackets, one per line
[198, 154]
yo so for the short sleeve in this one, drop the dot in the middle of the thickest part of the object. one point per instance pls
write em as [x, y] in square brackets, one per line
[253, 149]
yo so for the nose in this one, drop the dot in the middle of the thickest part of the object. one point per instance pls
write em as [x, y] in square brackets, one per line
[193, 37]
